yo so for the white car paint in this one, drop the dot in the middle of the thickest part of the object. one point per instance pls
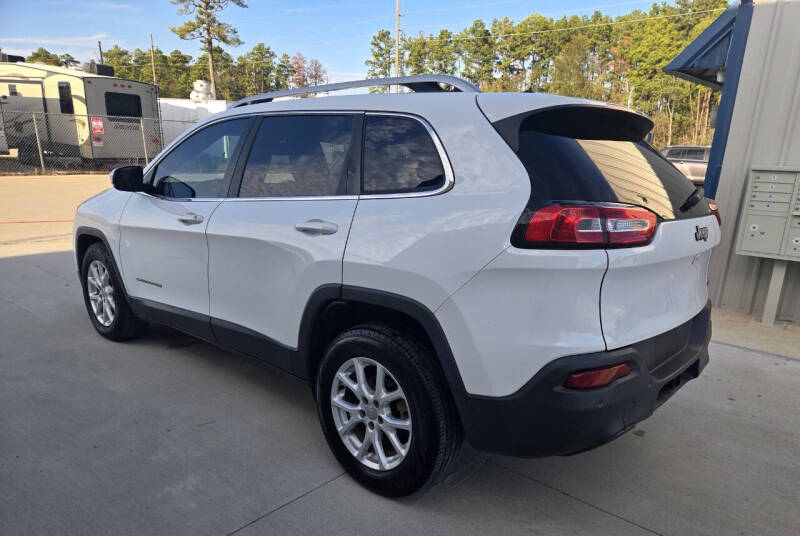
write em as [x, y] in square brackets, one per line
[524, 309]
[166, 260]
[262, 270]
[651, 289]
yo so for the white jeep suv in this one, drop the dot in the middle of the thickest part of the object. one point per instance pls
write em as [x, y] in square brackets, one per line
[518, 269]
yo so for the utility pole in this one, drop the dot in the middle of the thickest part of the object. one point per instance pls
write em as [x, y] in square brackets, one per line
[100, 48]
[153, 60]
[397, 42]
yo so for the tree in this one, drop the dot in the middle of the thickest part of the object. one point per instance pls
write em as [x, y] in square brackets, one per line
[382, 60]
[476, 47]
[42, 55]
[208, 28]
[257, 69]
[570, 69]
[317, 74]
[67, 60]
[299, 77]
[416, 53]
[283, 71]
[442, 53]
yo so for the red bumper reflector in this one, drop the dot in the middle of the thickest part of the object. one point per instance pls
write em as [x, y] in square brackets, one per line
[589, 379]
[715, 210]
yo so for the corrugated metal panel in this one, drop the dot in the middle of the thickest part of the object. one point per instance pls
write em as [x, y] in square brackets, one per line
[765, 131]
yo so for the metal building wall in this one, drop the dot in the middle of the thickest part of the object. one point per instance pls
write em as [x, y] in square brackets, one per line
[765, 131]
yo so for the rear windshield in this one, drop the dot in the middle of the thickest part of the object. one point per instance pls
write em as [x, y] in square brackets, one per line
[123, 104]
[572, 169]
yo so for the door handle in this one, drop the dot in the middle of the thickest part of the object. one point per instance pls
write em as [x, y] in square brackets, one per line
[317, 227]
[190, 219]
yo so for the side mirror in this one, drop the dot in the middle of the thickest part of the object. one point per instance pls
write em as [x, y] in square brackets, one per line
[128, 178]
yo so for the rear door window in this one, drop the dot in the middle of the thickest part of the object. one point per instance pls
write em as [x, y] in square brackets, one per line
[123, 104]
[595, 170]
[300, 155]
[399, 156]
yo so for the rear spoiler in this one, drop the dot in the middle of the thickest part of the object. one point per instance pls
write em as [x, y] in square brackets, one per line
[586, 120]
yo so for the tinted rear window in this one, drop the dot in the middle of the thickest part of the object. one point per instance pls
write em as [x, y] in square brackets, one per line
[570, 169]
[399, 156]
[123, 104]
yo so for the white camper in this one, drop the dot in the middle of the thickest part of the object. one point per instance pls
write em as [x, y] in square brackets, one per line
[78, 113]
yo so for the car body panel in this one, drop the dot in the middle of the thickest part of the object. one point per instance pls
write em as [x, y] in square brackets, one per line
[524, 309]
[101, 213]
[262, 270]
[650, 289]
[165, 260]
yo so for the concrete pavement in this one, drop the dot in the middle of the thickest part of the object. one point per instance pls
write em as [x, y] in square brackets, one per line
[168, 435]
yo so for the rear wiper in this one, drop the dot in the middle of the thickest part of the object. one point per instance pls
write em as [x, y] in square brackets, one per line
[693, 199]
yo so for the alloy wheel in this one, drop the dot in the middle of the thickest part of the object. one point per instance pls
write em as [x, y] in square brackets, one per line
[371, 413]
[101, 293]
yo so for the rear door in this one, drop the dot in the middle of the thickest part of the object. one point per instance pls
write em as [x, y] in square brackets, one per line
[284, 236]
[163, 248]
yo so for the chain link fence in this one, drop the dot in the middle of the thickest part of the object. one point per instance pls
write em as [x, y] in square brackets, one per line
[33, 143]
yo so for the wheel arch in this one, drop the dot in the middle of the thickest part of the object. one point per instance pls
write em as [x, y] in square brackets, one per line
[84, 238]
[334, 308]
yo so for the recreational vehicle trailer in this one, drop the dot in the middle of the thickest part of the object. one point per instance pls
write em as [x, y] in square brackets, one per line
[79, 113]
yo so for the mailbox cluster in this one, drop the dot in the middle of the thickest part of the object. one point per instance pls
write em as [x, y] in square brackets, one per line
[770, 223]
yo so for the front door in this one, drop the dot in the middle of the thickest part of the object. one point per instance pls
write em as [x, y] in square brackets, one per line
[284, 236]
[163, 249]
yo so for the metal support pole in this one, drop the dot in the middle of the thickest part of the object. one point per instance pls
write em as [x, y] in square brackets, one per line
[38, 142]
[397, 42]
[774, 292]
[144, 141]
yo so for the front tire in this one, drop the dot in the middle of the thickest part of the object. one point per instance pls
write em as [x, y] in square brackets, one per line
[105, 301]
[386, 411]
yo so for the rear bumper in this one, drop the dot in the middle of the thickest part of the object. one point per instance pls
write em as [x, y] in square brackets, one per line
[544, 418]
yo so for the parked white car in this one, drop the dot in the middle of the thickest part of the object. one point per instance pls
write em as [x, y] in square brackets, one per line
[518, 269]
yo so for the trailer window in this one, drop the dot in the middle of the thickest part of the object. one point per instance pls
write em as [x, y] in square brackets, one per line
[12, 90]
[123, 104]
[65, 98]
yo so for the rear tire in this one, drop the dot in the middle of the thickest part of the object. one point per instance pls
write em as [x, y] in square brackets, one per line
[420, 413]
[105, 301]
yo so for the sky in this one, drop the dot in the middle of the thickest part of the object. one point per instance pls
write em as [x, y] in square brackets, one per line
[335, 32]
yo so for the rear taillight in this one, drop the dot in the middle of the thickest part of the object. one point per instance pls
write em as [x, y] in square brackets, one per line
[590, 225]
[715, 210]
[590, 379]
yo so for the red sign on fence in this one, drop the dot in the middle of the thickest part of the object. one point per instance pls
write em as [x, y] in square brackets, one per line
[97, 125]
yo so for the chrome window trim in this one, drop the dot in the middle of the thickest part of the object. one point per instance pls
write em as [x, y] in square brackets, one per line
[449, 178]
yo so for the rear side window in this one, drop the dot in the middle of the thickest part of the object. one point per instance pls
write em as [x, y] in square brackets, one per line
[65, 98]
[123, 104]
[299, 155]
[399, 156]
[596, 170]
[674, 153]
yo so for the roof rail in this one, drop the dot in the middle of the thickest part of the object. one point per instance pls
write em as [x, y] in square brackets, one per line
[424, 83]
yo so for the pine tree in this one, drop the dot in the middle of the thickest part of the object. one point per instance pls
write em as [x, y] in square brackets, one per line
[382, 60]
[42, 55]
[208, 28]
